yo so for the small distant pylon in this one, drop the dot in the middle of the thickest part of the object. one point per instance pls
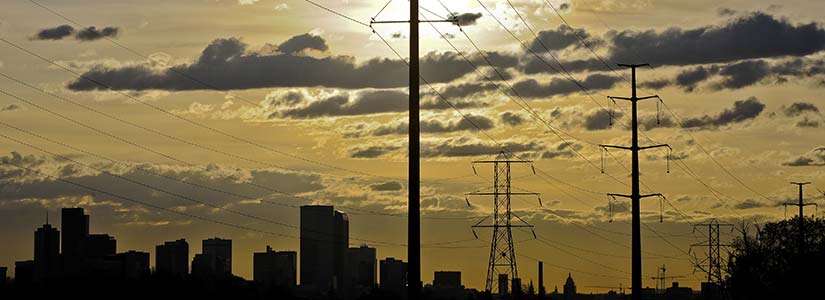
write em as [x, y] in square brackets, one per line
[502, 249]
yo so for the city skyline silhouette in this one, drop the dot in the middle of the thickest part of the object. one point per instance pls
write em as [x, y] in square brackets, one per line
[190, 120]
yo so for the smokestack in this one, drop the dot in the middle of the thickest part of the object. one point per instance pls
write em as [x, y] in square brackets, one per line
[541, 278]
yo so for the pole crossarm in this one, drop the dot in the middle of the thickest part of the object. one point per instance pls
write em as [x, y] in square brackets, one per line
[498, 193]
[420, 21]
[640, 148]
[633, 98]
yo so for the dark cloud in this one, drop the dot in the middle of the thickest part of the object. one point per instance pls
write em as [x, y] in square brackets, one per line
[92, 33]
[372, 151]
[306, 41]
[562, 149]
[742, 110]
[599, 119]
[756, 35]
[226, 65]
[10, 107]
[531, 88]
[466, 89]
[799, 108]
[807, 123]
[562, 37]
[742, 74]
[725, 12]
[389, 186]
[464, 147]
[688, 79]
[363, 103]
[465, 19]
[656, 84]
[56, 33]
[467, 123]
[815, 157]
[511, 118]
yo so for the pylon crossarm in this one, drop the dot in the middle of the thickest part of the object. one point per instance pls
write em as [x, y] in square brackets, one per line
[481, 221]
[618, 195]
[655, 146]
[420, 21]
[619, 98]
[652, 195]
[502, 226]
[633, 65]
[503, 161]
[617, 147]
[522, 220]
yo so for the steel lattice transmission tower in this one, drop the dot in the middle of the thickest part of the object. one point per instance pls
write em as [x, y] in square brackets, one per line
[502, 250]
[712, 264]
[635, 196]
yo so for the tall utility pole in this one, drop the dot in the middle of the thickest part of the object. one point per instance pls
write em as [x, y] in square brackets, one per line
[502, 251]
[414, 168]
[635, 196]
[801, 204]
[714, 254]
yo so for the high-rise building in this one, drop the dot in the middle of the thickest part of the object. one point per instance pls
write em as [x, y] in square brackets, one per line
[447, 280]
[275, 268]
[393, 276]
[98, 246]
[75, 227]
[3, 275]
[569, 288]
[134, 265]
[324, 243]
[172, 258]
[46, 251]
[23, 272]
[362, 266]
[220, 250]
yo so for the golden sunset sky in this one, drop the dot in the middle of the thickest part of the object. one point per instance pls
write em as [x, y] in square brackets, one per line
[261, 106]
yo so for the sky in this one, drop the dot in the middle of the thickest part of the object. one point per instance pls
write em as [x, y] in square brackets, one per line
[195, 119]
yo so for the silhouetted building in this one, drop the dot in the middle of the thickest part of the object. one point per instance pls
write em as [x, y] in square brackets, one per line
[393, 276]
[215, 260]
[98, 246]
[172, 258]
[221, 251]
[324, 243]
[362, 266]
[515, 288]
[503, 284]
[542, 290]
[675, 292]
[24, 272]
[46, 252]
[75, 229]
[447, 280]
[133, 265]
[3, 275]
[569, 288]
[275, 268]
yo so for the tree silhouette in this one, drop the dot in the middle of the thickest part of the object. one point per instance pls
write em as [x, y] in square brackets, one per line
[770, 263]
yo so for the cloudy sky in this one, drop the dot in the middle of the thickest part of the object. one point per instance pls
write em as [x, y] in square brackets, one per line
[200, 118]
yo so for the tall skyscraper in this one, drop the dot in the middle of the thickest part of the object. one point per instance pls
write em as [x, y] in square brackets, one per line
[275, 268]
[172, 258]
[3, 275]
[324, 243]
[362, 269]
[393, 276]
[46, 251]
[75, 227]
[220, 251]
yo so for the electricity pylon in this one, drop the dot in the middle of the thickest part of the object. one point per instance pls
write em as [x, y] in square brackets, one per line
[713, 258]
[801, 204]
[414, 169]
[502, 250]
[635, 196]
